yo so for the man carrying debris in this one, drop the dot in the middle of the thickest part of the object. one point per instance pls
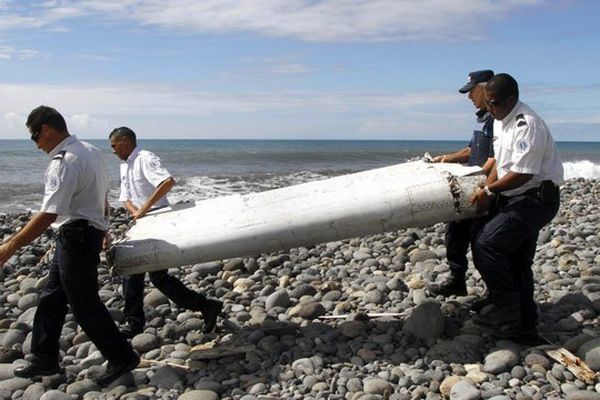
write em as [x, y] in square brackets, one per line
[144, 185]
[479, 150]
[522, 196]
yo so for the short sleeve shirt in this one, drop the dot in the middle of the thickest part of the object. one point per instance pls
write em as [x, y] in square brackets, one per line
[76, 184]
[482, 140]
[141, 174]
[523, 144]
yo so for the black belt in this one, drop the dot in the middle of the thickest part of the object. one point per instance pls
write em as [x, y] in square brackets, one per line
[546, 192]
[76, 223]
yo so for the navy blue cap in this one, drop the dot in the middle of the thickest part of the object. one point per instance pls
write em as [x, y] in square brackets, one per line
[475, 78]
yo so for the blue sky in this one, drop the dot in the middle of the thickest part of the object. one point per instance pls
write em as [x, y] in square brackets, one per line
[294, 69]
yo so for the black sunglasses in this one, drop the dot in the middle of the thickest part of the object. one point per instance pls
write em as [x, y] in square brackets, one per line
[495, 102]
[35, 136]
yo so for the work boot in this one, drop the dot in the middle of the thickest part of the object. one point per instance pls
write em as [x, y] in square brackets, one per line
[130, 330]
[34, 369]
[210, 311]
[453, 285]
[118, 368]
[527, 337]
[478, 304]
[504, 319]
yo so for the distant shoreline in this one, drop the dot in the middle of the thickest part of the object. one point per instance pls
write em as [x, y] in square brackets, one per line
[304, 140]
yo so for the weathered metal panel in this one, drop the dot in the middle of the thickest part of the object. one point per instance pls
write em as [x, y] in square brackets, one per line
[374, 201]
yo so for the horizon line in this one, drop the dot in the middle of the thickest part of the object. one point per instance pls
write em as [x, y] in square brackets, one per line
[307, 140]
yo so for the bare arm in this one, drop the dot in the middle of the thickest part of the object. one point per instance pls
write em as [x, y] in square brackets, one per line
[490, 168]
[34, 228]
[461, 156]
[510, 181]
[160, 191]
[130, 207]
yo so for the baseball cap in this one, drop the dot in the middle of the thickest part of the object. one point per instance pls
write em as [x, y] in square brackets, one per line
[476, 77]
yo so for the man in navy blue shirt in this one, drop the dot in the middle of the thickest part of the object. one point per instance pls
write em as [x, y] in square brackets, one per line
[479, 150]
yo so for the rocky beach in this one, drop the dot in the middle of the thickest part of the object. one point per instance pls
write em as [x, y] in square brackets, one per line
[343, 320]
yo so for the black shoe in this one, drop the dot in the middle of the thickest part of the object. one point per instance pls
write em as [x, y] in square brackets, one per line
[505, 319]
[479, 304]
[115, 369]
[211, 309]
[527, 337]
[130, 330]
[32, 370]
[454, 285]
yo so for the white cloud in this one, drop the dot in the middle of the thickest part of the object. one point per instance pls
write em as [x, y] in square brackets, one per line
[575, 120]
[91, 57]
[82, 121]
[13, 120]
[330, 20]
[143, 100]
[95, 109]
[10, 53]
[286, 68]
[310, 20]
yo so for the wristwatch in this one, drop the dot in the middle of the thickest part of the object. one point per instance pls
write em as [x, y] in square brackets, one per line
[487, 191]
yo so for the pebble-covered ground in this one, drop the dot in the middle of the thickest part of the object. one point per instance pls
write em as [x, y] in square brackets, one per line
[275, 303]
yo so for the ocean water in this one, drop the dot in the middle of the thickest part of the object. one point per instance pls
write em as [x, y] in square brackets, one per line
[210, 168]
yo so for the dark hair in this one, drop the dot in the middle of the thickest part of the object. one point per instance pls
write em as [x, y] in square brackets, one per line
[504, 86]
[46, 115]
[125, 132]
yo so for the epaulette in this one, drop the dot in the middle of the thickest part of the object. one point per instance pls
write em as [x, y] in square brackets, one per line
[521, 120]
[60, 155]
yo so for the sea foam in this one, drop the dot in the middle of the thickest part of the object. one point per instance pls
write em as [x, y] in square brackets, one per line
[581, 169]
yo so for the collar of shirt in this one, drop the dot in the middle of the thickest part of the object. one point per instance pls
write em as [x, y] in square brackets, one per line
[482, 115]
[133, 155]
[59, 147]
[511, 115]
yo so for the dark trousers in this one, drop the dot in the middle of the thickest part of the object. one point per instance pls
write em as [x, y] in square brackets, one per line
[73, 281]
[458, 237]
[173, 288]
[504, 246]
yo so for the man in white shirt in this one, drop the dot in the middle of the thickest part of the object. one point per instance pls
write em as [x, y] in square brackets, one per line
[522, 195]
[144, 185]
[76, 185]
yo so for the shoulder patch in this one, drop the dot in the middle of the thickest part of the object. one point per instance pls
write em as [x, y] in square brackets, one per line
[154, 162]
[522, 146]
[521, 123]
[60, 155]
[520, 116]
[52, 183]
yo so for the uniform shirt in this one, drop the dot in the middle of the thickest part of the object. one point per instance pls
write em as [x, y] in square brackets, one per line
[76, 184]
[523, 144]
[141, 174]
[482, 141]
